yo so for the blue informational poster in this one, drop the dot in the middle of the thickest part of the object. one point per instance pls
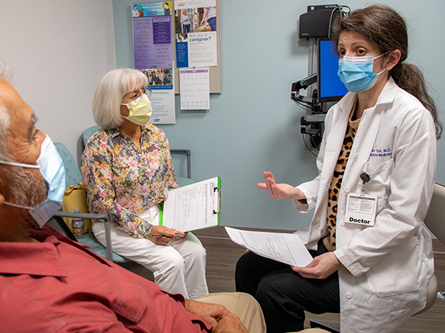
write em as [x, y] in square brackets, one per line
[196, 34]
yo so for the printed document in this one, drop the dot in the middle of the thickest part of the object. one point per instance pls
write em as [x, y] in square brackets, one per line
[192, 207]
[282, 247]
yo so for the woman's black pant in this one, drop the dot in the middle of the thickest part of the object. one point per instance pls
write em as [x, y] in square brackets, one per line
[284, 294]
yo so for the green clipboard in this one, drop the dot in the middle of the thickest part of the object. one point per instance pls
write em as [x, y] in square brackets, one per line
[193, 207]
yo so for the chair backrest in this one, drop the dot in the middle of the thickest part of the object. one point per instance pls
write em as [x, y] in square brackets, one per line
[435, 219]
[74, 177]
[86, 135]
[72, 172]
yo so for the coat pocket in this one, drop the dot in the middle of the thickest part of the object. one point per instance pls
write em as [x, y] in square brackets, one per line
[398, 272]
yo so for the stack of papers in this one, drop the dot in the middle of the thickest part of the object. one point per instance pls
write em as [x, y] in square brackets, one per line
[282, 247]
[193, 207]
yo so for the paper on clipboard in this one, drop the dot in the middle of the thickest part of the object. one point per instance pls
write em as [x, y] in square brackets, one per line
[282, 247]
[193, 207]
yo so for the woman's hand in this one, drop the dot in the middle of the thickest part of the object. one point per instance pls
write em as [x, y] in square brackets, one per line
[161, 235]
[280, 191]
[319, 268]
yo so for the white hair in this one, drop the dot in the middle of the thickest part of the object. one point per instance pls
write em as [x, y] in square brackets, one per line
[6, 73]
[109, 93]
[25, 187]
[5, 121]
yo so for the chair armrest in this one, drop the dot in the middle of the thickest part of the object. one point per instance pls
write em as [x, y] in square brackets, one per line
[188, 153]
[103, 217]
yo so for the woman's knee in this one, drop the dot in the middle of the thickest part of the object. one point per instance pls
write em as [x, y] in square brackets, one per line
[200, 253]
[175, 263]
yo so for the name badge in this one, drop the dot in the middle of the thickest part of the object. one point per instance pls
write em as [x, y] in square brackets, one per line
[361, 209]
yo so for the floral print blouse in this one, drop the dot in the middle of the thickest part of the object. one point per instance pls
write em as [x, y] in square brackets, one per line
[124, 181]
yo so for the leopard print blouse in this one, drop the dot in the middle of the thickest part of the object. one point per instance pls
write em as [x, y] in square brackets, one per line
[334, 189]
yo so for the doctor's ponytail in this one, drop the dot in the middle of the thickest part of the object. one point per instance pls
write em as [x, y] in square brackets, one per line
[385, 28]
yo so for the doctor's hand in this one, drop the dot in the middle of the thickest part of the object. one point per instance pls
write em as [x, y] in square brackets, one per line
[280, 191]
[319, 268]
[161, 235]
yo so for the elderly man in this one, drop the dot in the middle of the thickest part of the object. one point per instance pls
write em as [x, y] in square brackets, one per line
[50, 283]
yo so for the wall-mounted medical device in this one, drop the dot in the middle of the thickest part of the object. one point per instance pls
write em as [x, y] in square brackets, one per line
[323, 84]
[317, 22]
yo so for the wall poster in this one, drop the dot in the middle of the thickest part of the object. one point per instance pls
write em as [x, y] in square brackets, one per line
[195, 32]
[153, 55]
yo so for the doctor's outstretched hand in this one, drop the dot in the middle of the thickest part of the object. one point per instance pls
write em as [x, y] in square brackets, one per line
[320, 268]
[280, 191]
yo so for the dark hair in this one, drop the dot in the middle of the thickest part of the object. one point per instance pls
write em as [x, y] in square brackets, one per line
[384, 27]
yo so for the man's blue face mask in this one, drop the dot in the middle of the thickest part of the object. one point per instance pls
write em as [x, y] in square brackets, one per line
[51, 167]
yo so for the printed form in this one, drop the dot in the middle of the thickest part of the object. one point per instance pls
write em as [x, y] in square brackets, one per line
[281, 247]
[193, 207]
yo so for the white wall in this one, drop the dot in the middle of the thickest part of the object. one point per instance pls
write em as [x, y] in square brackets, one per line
[59, 49]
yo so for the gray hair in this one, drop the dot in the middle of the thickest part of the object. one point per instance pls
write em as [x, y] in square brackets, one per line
[7, 74]
[25, 187]
[109, 93]
[5, 121]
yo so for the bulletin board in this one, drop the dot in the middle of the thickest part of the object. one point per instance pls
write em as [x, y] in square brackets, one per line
[155, 51]
[214, 71]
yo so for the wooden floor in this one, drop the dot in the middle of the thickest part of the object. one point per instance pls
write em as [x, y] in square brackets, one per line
[222, 255]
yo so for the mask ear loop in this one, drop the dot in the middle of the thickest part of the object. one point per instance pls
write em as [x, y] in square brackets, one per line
[382, 55]
[32, 166]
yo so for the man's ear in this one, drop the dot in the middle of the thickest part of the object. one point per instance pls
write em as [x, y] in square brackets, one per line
[2, 189]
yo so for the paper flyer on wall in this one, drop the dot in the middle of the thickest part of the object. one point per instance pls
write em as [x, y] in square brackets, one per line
[152, 35]
[196, 38]
[153, 55]
[194, 88]
[162, 95]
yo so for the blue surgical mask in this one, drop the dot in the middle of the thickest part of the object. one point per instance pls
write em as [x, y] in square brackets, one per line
[357, 72]
[53, 171]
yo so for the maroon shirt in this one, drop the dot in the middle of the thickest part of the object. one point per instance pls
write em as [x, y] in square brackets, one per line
[59, 286]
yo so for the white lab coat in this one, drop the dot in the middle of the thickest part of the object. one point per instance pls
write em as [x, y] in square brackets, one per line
[391, 263]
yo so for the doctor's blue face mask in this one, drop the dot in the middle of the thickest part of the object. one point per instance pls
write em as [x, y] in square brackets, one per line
[357, 72]
[51, 167]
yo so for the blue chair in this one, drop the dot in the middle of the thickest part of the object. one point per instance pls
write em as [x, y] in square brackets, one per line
[73, 177]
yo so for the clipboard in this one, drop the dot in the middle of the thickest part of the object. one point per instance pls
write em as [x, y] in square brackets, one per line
[193, 207]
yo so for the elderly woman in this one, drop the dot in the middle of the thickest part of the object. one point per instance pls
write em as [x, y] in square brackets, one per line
[128, 170]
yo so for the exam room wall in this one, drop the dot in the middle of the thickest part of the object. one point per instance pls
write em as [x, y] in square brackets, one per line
[253, 126]
[59, 51]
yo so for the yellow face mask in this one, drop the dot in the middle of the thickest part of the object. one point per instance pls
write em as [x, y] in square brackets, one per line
[140, 110]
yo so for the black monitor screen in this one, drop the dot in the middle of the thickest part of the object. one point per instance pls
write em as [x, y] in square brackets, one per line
[330, 88]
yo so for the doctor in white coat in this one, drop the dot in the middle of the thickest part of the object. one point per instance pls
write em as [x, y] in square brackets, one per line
[379, 152]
